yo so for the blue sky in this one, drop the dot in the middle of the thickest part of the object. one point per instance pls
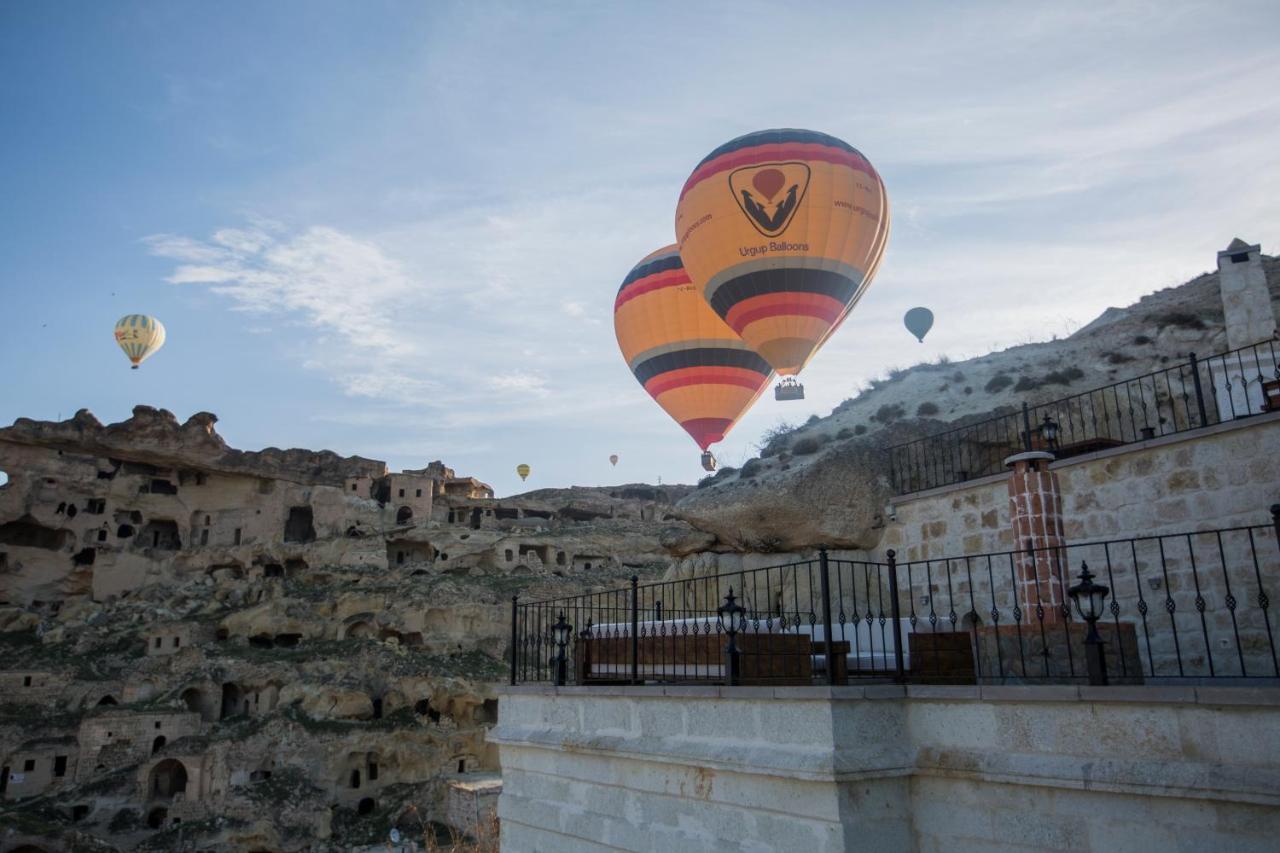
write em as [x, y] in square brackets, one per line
[396, 229]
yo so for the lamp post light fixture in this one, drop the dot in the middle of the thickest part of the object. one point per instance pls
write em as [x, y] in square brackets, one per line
[1089, 598]
[561, 631]
[731, 615]
[1049, 432]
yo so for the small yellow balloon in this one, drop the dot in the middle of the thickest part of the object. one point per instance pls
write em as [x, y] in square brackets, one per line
[139, 336]
[523, 470]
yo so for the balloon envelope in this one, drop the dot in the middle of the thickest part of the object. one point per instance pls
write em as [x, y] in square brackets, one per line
[918, 322]
[613, 459]
[697, 369]
[783, 230]
[523, 470]
[139, 336]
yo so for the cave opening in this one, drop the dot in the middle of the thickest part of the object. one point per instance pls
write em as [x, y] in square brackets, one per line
[300, 526]
[26, 532]
[161, 534]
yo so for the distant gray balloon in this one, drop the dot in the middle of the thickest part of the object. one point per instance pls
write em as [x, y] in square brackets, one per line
[918, 322]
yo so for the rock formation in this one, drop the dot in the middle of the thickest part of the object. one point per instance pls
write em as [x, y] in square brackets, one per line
[279, 650]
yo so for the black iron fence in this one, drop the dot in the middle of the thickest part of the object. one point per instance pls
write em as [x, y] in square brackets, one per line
[1193, 394]
[1186, 606]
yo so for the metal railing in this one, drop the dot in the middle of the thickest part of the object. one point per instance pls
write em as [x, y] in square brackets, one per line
[1188, 606]
[1186, 396]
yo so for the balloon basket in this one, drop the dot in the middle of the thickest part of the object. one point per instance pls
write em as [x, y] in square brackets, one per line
[708, 461]
[788, 389]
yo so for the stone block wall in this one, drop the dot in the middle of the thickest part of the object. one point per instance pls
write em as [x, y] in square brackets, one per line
[1199, 603]
[889, 768]
[1221, 476]
[171, 638]
[119, 738]
[34, 687]
[38, 767]
[471, 802]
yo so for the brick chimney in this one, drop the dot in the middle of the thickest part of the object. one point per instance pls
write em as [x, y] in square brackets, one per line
[1035, 512]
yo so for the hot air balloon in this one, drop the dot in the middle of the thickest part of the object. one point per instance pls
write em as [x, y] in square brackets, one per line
[139, 336]
[613, 459]
[700, 372]
[782, 230]
[523, 470]
[918, 322]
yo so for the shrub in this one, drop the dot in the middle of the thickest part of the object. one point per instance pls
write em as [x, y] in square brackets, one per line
[749, 470]
[1063, 377]
[925, 410]
[706, 481]
[1026, 383]
[887, 413]
[998, 383]
[1118, 358]
[860, 429]
[806, 446]
[1141, 340]
[813, 419]
[844, 432]
[1179, 319]
[968, 390]
[776, 439]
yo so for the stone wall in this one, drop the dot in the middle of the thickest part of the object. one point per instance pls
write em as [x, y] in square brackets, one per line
[1220, 476]
[38, 766]
[32, 687]
[889, 768]
[471, 802]
[122, 738]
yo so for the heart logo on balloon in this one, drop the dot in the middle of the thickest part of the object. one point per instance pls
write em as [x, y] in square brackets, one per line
[768, 182]
[770, 194]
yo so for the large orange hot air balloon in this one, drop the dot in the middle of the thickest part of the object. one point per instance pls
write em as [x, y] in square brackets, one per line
[698, 370]
[782, 230]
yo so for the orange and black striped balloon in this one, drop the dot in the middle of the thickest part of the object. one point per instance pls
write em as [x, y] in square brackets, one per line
[699, 371]
[783, 230]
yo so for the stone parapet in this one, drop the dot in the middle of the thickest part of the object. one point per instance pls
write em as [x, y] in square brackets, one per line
[888, 767]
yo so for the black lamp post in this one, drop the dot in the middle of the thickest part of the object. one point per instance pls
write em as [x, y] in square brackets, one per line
[731, 615]
[1089, 598]
[561, 630]
[1049, 432]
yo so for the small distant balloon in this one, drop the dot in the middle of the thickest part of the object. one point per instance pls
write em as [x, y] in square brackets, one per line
[613, 459]
[918, 322]
[139, 336]
[523, 470]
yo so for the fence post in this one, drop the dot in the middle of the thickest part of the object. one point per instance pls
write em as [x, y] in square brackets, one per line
[899, 672]
[824, 575]
[1275, 520]
[515, 637]
[1195, 380]
[1026, 427]
[635, 629]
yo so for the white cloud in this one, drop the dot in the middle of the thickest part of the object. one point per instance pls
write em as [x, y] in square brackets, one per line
[523, 383]
[332, 281]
